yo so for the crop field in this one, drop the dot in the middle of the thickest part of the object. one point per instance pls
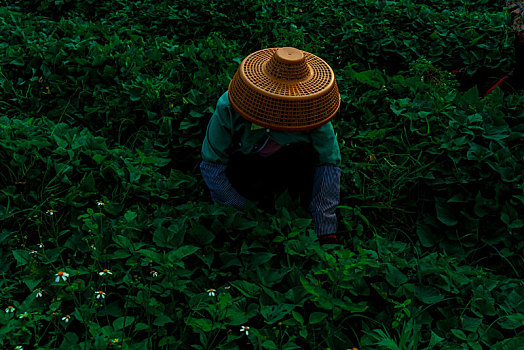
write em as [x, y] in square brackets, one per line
[109, 238]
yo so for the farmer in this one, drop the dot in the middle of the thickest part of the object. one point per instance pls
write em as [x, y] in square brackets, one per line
[272, 131]
[515, 78]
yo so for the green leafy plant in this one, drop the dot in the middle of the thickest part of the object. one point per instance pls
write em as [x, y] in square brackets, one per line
[109, 238]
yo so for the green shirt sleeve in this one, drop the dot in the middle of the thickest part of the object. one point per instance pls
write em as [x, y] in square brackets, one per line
[325, 142]
[219, 142]
[219, 133]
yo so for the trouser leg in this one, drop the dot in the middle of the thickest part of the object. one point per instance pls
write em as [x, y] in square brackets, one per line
[259, 178]
[249, 175]
[298, 162]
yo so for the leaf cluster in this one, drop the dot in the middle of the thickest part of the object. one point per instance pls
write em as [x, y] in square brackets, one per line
[103, 109]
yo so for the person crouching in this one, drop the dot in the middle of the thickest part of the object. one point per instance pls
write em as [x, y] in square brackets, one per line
[272, 131]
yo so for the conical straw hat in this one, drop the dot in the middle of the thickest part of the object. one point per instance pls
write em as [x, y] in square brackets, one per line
[285, 89]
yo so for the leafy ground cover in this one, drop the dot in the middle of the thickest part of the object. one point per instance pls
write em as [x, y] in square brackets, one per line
[109, 238]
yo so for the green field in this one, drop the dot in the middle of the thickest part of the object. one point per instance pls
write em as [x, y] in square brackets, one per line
[103, 109]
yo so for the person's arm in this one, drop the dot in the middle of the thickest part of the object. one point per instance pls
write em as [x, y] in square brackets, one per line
[215, 155]
[326, 184]
[325, 199]
[219, 185]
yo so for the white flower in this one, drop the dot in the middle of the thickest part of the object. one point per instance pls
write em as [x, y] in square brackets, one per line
[100, 203]
[10, 309]
[245, 329]
[38, 292]
[33, 251]
[105, 272]
[154, 273]
[40, 245]
[93, 246]
[66, 318]
[50, 212]
[100, 294]
[61, 274]
[211, 292]
[19, 347]
[24, 315]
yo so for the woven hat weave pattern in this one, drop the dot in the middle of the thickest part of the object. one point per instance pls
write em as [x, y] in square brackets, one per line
[285, 89]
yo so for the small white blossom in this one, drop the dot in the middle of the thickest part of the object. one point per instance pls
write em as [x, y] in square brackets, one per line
[100, 203]
[61, 274]
[154, 273]
[19, 347]
[245, 329]
[24, 315]
[211, 292]
[105, 272]
[50, 212]
[40, 245]
[38, 292]
[100, 294]
[10, 309]
[66, 318]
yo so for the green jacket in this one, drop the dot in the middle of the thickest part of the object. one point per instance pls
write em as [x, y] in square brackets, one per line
[227, 132]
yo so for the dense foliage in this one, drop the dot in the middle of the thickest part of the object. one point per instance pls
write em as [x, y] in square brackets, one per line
[108, 234]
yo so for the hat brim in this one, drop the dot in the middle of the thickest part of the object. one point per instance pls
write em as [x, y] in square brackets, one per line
[272, 102]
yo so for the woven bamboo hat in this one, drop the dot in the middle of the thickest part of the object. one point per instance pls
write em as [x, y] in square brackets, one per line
[284, 89]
